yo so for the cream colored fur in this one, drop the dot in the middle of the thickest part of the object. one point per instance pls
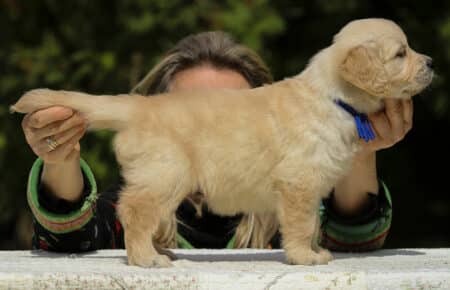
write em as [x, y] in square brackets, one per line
[274, 149]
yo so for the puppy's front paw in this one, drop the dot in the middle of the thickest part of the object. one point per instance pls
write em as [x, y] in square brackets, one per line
[309, 257]
[154, 261]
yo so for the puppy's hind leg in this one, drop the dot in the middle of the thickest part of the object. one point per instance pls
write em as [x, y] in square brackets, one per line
[140, 213]
[154, 188]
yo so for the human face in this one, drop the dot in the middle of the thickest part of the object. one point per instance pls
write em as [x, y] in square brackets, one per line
[207, 76]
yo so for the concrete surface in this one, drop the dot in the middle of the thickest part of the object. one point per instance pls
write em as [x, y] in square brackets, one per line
[227, 269]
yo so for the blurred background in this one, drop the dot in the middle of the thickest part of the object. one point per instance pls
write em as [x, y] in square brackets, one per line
[106, 46]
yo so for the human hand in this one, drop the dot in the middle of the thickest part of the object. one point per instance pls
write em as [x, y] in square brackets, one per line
[390, 125]
[62, 125]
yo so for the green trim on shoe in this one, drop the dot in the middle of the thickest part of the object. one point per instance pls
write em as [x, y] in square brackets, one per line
[61, 223]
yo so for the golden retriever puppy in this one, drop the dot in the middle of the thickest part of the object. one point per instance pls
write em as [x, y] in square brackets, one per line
[278, 148]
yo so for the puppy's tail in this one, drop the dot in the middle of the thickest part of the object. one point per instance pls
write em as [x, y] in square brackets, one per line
[102, 112]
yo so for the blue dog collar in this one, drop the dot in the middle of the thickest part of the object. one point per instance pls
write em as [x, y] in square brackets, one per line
[365, 130]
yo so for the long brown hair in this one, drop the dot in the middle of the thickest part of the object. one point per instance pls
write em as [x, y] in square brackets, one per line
[221, 51]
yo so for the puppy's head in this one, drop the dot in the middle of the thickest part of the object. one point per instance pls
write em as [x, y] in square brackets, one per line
[376, 58]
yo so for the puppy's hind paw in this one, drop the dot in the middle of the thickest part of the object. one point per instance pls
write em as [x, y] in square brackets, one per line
[327, 256]
[155, 261]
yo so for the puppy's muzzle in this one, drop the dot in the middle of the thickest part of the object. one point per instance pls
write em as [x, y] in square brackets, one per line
[429, 63]
[425, 74]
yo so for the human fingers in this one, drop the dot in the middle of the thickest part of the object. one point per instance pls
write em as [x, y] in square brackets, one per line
[38, 146]
[63, 137]
[42, 118]
[408, 110]
[62, 152]
[381, 125]
[42, 146]
[395, 115]
[26, 128]
[58, 127]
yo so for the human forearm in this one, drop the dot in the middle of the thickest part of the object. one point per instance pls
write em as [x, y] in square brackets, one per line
[350, 193]
[64, 180]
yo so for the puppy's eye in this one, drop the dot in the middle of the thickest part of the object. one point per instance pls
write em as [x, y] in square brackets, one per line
[401, 53]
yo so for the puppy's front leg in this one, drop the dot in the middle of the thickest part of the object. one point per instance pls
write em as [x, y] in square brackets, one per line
[298, 214]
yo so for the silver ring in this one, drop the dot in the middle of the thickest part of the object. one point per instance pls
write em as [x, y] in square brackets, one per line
[52, 143]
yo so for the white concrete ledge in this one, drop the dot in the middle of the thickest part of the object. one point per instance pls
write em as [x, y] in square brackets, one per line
[227, 269]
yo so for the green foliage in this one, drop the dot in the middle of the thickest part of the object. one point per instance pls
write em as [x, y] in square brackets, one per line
[106, 46]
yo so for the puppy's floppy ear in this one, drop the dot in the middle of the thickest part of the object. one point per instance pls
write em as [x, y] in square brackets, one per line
[362, 67]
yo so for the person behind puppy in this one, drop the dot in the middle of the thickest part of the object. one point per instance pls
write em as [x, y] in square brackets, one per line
[71, 217]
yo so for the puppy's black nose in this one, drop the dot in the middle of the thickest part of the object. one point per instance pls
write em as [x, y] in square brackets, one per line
[429, 62]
